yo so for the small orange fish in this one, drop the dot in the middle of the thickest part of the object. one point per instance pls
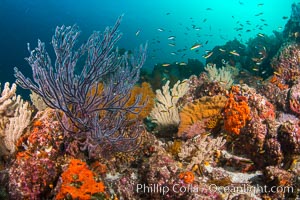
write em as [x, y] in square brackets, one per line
[182, 64]
[195, 46]
[234, 53]
[208, 55]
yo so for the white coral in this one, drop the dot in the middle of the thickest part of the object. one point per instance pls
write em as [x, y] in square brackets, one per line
[16, 125]
[165, 111]
[7, 99]
[14, 118]
[221, 75]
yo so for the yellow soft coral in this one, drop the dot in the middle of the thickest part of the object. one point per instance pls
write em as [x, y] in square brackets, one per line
[78, 182]
[146, 101]
[200, 109]
[144, 106]
[236, 115]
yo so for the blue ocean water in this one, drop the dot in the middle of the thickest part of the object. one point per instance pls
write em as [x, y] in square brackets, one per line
[170, 27]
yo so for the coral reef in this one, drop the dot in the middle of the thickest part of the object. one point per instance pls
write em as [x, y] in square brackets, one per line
[293, 99]
[96, 134]
[258, 138]
[286, 64]
[32, 176]
[289, 137]
[279, 177]
[161, 169]
[274, 94]
[36, 167]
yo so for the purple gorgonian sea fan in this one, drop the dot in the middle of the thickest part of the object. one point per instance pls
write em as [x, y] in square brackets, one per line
[93, 94]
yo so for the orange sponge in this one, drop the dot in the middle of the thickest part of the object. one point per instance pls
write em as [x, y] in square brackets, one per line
[236, 114]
